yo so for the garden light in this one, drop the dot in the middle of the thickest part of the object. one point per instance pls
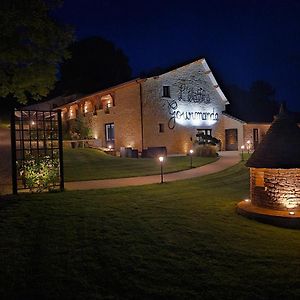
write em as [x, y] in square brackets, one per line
[161, 159]
[242, 147]
[191, 156]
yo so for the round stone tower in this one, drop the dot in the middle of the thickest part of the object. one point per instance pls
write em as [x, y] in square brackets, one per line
[275, 166]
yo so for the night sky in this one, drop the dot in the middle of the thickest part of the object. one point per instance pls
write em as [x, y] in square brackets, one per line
[242, 41]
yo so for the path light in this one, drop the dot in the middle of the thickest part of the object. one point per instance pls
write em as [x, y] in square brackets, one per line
[242, 147]
[248, 146]
[161, 159]
[191, 156]
[109, 147]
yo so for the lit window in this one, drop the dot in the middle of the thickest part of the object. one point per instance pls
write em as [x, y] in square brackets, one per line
[166, 91]
[161, 127]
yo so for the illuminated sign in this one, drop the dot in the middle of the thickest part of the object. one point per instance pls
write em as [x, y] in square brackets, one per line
[187, 111]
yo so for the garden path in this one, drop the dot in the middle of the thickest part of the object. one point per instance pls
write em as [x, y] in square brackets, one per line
[226, 160]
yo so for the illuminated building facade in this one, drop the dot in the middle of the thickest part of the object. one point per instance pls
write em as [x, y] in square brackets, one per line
[166, 110]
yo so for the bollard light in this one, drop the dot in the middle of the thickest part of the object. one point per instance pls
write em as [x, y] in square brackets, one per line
[161, 160]
[191, 156]
[248, 146]
[243, 148]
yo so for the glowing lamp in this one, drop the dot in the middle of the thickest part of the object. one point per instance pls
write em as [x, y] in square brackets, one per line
[161, 159]
[291, 213]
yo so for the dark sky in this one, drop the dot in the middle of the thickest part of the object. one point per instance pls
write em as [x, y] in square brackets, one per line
[242, 40]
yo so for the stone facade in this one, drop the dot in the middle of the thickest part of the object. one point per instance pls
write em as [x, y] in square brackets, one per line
[166, 110]
[275, 188]
[193, 101]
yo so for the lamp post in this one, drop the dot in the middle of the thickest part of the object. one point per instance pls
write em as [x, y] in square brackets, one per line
[242, 147]
[248, 146]
[161, 159]
[191, 156]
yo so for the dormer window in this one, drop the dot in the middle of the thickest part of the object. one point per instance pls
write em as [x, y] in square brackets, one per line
[166, 91]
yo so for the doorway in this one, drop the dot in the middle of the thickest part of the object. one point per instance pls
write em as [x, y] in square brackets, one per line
[231, 139]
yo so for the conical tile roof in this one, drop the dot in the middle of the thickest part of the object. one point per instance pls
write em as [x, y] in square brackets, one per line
[280, 148]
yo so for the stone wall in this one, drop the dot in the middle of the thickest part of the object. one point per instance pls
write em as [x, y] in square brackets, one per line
[125, 114]
[248, 132]
[195, 103]
[280, 190]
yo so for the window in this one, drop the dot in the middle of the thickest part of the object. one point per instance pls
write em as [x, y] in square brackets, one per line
[204, 131]
[110, 134]
[166, 91]
[202, 135]
[107, 102]
[161, 127]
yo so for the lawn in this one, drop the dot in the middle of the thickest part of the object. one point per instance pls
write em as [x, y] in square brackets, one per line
[180, 240]
[89, 164]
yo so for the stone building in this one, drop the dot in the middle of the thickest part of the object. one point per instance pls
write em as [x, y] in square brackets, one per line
[275, 166]
[166, 110]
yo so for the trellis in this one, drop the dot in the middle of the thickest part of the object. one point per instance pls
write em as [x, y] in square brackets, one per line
[36, 135]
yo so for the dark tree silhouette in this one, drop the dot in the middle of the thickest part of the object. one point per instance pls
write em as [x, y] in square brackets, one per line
[258, 104]
[32, 43]
[95, 64]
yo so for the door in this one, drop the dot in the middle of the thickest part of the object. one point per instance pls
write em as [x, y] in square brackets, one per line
[255, 138]
[231, 139]
[110, 135]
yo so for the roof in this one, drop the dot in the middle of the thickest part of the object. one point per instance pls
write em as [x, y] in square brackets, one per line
[280, 148]
[201, 61]
[233, 118]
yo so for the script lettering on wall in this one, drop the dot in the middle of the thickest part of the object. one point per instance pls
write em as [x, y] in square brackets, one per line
[193, 94]
[185, 109]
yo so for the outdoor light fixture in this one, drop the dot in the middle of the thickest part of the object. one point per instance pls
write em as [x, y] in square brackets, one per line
[161, 159]
[32, 123]
[242, 147]
[248, 146]
[191, 156]
[247, 200]
[291, 213]
[109, 147]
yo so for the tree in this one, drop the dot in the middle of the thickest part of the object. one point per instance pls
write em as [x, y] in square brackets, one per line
[258, 104]
[95, 64]
[32, 44]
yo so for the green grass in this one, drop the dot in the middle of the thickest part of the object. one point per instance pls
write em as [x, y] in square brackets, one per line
[180, 240]
[89, 164]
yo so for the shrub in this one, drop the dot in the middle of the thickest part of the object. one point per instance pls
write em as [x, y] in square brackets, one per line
[39, 174]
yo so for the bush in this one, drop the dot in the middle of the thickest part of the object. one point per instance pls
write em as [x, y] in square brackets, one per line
[205, 150]
[39, 174]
